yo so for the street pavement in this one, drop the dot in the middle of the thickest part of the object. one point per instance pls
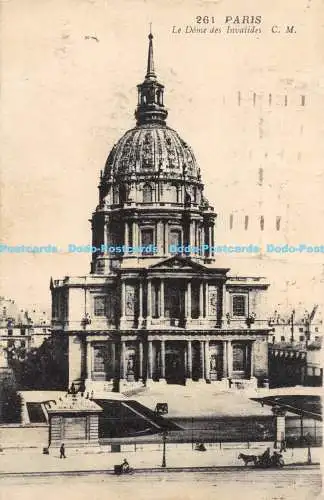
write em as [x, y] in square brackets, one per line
[281, 484]
[33, 461]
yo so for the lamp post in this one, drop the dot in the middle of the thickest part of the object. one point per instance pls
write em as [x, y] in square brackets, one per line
[164, 438]
[292, 319]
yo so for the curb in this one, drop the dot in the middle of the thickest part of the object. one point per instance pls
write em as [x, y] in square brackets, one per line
[154, 470]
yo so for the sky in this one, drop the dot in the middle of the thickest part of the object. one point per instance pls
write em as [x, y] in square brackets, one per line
[69, 75]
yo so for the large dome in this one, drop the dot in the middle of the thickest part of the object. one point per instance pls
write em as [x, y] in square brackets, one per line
[152, 148]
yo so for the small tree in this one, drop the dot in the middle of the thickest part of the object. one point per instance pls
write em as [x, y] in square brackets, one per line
[10, 400]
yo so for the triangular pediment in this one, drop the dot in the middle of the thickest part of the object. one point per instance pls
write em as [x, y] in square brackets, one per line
[179, 262]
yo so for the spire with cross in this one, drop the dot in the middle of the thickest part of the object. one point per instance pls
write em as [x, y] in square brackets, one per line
[150, 108]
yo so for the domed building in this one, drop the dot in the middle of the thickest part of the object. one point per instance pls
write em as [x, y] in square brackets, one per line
[155, 307]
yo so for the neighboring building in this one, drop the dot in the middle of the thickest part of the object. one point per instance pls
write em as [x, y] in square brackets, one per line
[20, 330]
[314, 368]
[296, 326]
[158, 314]
[292, 364]
[295, 351]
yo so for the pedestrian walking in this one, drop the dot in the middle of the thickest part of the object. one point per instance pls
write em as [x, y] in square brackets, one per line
[62, 451]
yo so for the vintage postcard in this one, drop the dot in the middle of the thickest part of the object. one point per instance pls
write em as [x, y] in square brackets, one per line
[162, 250]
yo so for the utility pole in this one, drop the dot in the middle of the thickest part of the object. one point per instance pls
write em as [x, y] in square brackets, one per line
[164, 438]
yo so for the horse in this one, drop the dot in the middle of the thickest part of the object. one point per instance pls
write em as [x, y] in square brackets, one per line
[248, 458]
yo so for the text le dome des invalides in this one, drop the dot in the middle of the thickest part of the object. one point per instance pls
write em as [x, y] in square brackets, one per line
[157, 314]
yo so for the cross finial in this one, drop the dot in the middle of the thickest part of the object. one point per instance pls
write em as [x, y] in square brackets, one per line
[150, 63]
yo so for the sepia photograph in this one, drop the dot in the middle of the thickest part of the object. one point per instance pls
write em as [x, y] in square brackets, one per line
[162, 249]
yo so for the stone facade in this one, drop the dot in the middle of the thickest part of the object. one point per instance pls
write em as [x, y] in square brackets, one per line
[156, 308]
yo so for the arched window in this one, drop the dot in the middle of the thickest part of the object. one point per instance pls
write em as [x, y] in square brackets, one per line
[147, 194]
[122, 194]
[147, 241]
[239, 305]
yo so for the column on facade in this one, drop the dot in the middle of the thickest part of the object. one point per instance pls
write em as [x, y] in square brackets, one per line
[165, 239]
[150, 360]
[185, 305]
[160, 238]
[87, 302]
[202, 360]
[89, 360]
[163, 359]
[123, 360]
[189, 359]
[192, 233]
[201, 300]
[113, 358]
[135, 235]
[105, 235]
[140, 303]
[229, 358]
[212, 237]
[207, 360]
[123, 300]
[126, 234]
[210, 240]
[225, 368]
[224, 322]
[149, 302]
[162, 309]
[188, 311]
[205, 241]
[140, 359]
[252, 360]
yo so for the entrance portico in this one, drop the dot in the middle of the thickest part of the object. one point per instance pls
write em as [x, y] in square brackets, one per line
[171, 359]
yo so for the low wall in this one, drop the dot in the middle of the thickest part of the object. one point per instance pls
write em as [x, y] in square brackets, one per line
[23, 436]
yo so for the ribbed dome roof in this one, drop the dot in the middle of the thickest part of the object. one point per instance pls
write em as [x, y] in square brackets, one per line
[148, 149]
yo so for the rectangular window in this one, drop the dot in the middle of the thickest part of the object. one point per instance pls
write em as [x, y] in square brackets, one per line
[100, 306]
[212, 300]
[239, 305]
